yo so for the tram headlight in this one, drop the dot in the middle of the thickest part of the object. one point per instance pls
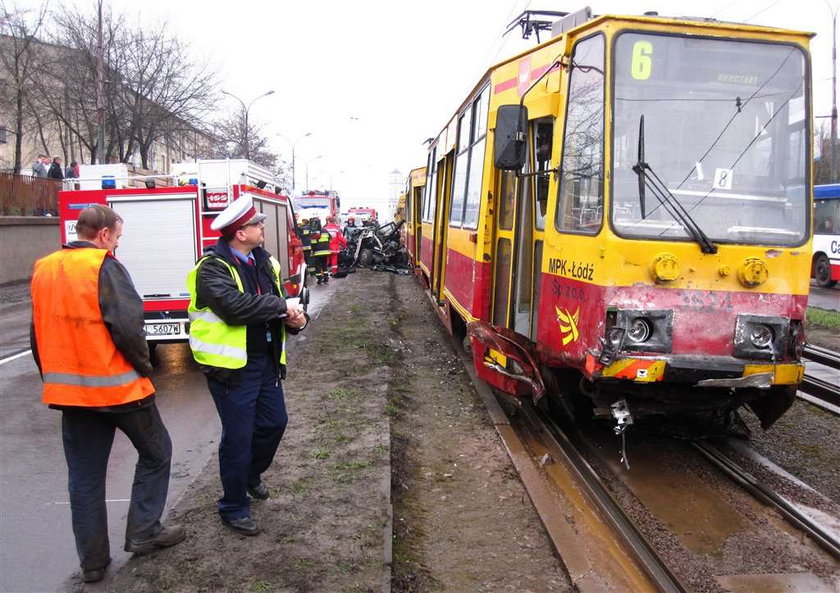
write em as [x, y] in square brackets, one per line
[639, 330]
[645, 331]
[761, 336]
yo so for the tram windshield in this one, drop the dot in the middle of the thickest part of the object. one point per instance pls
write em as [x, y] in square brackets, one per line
[724, 129]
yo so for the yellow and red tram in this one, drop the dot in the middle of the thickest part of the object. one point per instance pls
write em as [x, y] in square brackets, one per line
[412, 230]
[622, 216]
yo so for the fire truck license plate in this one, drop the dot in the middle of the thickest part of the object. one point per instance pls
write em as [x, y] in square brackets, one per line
[163, 329]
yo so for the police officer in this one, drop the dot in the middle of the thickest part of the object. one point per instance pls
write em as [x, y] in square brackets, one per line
[239, 316]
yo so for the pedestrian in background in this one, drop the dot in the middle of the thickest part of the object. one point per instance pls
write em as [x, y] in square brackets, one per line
[88, 342]
[239, 316]
[56, 170]
[39, 167]
[72, 171]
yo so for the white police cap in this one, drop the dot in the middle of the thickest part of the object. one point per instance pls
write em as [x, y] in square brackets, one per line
[237, 215]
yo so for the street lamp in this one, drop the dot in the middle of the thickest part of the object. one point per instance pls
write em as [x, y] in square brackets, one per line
[329, 175]
[246, 109]
[307, 161]
[293, 155]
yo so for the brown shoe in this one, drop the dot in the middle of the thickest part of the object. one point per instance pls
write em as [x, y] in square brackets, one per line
[168, 536]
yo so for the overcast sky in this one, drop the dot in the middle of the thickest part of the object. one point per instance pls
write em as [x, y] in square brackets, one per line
[371, 80]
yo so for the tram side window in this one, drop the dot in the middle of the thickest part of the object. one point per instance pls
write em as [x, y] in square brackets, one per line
[459, 182]
[543, 135]
[430, 198]
[469, 164]
[507, 199]
[581, 200]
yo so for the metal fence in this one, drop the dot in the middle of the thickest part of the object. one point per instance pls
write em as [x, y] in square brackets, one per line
[22, 195]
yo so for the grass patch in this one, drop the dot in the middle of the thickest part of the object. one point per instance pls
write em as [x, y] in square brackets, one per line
[345, 472]
[379, 353]
[322, 454]
[340, 394]
[299, 487]
[823, 318]
[351, 465]
[261, 585]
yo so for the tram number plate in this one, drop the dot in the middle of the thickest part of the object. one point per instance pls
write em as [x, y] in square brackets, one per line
[163, 329]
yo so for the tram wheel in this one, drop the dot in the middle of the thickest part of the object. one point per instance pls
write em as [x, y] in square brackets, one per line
[822, 271]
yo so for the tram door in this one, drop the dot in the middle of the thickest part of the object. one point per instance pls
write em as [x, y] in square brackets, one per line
[443, 180]
[415, 213]
[520, 229]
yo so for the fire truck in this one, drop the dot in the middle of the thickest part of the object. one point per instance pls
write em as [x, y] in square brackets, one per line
[167, 227]
[318, 204]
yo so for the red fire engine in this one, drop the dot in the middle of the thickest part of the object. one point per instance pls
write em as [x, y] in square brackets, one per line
[167, 226]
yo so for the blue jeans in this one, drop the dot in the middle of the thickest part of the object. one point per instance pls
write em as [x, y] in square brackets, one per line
[253, 413]
[88, 436]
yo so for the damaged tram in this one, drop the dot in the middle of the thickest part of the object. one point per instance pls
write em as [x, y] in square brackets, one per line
[620, 217]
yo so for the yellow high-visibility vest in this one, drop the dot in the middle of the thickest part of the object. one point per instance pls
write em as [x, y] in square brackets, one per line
[212, 341]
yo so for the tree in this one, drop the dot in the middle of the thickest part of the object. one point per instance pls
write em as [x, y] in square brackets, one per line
[231, 135]
[19, 58]
[153, 89]
[822, 165]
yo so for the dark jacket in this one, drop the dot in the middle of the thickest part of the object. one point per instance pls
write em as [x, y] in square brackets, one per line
[122, 312]
[216, 288]
[55, 171]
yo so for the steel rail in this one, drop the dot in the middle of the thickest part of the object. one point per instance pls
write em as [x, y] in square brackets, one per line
[747, 481]
[557, 440]
[824, 356]
[821, 389]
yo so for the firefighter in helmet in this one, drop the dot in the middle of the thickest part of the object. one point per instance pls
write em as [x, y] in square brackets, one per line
[306, 242]
[320, 249]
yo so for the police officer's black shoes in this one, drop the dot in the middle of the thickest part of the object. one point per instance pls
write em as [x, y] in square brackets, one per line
[168, 536]
[243, 525]
[260, 491]
[94, 575]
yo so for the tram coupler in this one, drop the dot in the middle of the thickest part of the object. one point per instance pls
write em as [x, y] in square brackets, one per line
[620, 411]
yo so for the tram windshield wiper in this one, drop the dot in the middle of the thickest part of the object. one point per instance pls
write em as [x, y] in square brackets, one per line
[648, 179]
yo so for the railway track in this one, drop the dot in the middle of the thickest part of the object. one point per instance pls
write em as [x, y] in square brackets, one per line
[602, 551]
[824, 538]
[622, 556]
[816, 389]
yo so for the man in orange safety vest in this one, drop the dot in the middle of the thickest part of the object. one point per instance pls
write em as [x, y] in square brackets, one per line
[89, 344]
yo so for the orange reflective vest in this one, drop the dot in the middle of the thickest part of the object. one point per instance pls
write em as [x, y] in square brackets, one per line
[80, 363]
